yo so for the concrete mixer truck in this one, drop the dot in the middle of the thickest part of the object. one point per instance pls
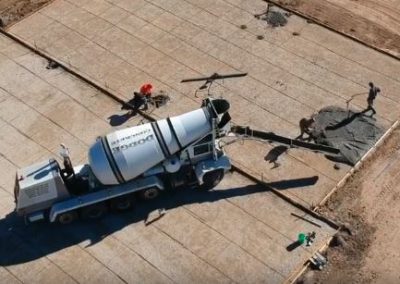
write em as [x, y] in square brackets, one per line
[139, 161]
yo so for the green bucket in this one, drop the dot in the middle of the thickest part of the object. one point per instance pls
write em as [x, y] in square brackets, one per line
[301, 238]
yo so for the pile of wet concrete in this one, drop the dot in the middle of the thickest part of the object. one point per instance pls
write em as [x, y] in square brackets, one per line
[353, 133]
[274, 16]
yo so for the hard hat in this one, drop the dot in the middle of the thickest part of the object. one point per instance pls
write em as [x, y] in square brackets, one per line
[146, 88]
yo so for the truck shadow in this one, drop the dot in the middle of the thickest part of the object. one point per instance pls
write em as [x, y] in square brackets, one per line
[20, 243]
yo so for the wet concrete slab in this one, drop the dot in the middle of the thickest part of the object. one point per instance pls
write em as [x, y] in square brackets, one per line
[7, 276]
[225, 235]
[307, 184]
[239, 232]
[121, 45]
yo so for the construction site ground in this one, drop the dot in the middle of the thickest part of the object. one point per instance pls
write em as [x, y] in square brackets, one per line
[120, 45]
[375, 23]
[369, 205]
[11, 11]
[238, 234]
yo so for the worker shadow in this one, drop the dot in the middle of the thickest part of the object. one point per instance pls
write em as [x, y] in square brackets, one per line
[294, 245]
[274, 154]
[119, 119]
[132, 106]
[21, 243]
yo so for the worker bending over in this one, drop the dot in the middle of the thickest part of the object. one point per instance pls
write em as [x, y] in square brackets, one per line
[306, 126]
[142, 97]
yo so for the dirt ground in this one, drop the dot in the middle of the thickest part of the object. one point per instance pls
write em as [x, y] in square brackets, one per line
[376, 23]
[12, 11]
[369, 206]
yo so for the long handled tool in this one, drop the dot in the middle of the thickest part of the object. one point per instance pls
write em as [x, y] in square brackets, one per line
[209, 80]
[349, 100]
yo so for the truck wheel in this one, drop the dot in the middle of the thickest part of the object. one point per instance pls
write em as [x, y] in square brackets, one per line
[95, 211]
[149, 193]
[211, 180]
[122, 203]
[67, 217]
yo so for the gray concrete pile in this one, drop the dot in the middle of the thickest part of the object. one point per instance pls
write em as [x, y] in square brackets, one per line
[274, 16]
[352, 132]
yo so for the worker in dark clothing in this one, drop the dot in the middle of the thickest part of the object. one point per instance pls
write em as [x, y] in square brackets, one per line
[142, 97]
[306, 126]
[373, 92]
[310, 238]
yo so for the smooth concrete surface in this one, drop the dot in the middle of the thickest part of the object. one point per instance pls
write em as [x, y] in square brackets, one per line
[237, 233]
[123, 44]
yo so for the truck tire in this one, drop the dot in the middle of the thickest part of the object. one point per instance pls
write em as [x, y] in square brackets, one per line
[149, 193]
[93, 212]
[211, 180]
[122, 203]
[67, 217]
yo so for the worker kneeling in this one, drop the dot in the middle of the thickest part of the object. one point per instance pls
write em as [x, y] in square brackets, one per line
[142, 97]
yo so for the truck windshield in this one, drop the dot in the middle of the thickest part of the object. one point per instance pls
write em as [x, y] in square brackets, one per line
[203, 146]
[206, 139]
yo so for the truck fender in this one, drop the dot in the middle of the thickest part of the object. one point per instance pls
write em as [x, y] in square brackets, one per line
[222, 163]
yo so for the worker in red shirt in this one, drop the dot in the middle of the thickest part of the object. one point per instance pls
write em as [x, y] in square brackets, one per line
[142, 97]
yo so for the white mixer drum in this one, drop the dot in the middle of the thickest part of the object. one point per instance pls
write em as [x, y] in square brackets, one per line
[126, 154]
